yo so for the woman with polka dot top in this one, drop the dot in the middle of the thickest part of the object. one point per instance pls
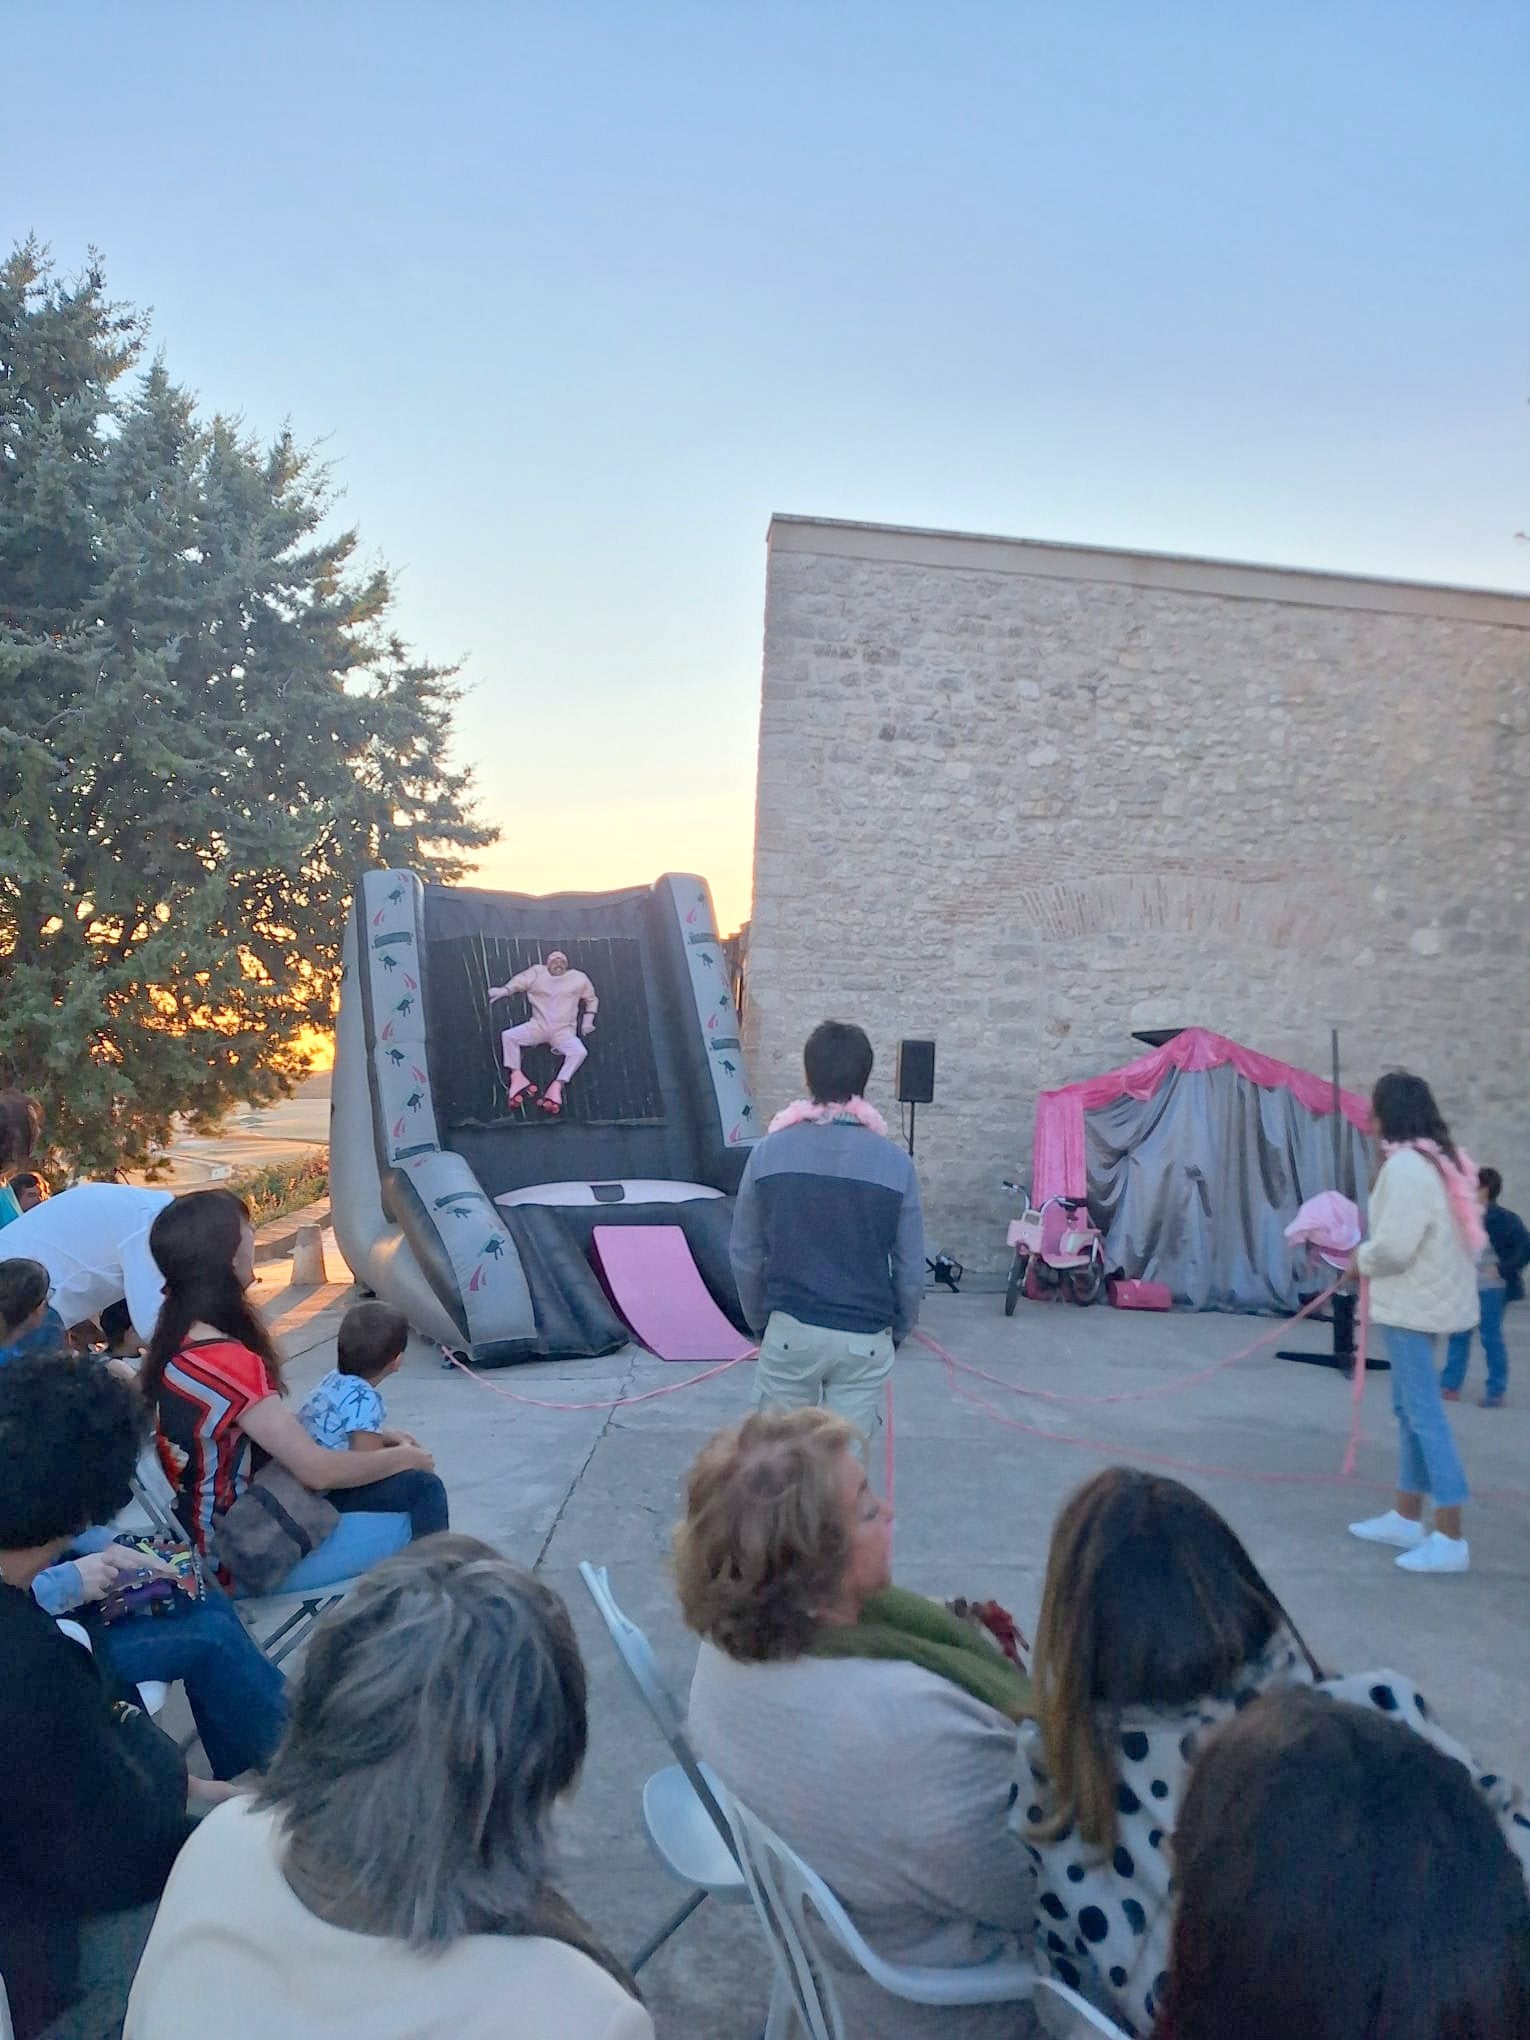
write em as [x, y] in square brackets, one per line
[1155, 1627]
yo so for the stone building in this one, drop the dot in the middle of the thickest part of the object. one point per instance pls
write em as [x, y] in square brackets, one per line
[1031, 798]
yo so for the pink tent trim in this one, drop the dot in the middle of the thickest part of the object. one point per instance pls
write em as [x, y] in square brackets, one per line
[1057, 1160]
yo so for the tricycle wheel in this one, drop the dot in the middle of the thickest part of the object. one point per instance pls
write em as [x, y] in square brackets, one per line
[1085, 1284]
[1016, 1283]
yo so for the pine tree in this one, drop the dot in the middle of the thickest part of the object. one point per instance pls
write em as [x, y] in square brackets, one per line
[206, 731]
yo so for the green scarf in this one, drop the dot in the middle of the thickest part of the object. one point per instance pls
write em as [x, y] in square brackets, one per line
[916, 1631]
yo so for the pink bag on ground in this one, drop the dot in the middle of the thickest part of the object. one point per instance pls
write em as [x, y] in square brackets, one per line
[1130, 1293]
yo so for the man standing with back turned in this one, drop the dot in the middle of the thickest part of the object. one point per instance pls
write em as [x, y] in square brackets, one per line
[828, 1241]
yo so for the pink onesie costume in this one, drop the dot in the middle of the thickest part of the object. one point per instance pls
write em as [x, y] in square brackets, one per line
[555, 1002]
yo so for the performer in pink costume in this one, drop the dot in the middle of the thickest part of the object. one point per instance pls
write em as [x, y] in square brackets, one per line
[556, 995]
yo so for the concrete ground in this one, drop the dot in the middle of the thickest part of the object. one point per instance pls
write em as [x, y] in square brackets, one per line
[975, 1501]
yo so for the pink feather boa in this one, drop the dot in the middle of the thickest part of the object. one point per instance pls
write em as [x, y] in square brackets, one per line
[808, 1112]
[1460, 1180]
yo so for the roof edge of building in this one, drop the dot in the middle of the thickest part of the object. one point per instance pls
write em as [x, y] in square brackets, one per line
[1184, 573]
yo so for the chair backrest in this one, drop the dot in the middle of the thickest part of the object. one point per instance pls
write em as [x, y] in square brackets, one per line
[7, 2030]
[1067, 2016]
[636, 1653]
[789, 1897]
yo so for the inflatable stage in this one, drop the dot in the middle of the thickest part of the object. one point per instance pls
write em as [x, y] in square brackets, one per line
[500, 1226]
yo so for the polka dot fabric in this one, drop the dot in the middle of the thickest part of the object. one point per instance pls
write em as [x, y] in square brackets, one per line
[1103, 1917]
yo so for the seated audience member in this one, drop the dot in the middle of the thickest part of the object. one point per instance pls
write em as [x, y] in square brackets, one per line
[392, 1879]
[238, 1698]
[1155, 1627]
[28, 1321]
[346, 1413]
[213, 1378]
[28, 1189]
[871, 1729]
[1339, 1879]
[94, 1805]
[20, 1124]
[94, 1242]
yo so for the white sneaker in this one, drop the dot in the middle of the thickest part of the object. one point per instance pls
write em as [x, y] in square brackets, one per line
[1390, 1529]
[1438, 1553]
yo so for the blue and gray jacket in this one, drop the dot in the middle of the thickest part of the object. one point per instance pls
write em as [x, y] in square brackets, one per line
[827, 1228]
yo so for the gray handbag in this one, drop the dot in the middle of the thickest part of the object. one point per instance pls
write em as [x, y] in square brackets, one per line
[275, 1523]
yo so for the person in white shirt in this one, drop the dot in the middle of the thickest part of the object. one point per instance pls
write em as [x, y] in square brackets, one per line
[94, 1242]
[556, 996]
[392, 1879]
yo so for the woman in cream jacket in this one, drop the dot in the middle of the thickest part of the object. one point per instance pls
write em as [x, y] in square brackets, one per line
[1420, 1261]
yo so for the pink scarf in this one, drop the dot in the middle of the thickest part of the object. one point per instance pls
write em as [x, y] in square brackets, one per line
[1460, 1180]
[808, 1112]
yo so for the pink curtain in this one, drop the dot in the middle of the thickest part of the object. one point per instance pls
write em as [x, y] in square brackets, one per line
[1057, 1159]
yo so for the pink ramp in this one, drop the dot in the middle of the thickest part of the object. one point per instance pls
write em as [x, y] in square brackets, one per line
[658, 1289]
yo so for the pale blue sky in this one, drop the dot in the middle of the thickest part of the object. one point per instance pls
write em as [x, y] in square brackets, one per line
[579, 294]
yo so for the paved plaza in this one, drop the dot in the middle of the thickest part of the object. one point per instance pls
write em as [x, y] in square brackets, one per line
[975, 1500]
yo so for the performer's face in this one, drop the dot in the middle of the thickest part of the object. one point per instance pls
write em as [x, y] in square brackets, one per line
[557, 963]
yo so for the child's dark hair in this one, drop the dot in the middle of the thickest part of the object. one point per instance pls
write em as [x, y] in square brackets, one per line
[1492, 1183]
[24, 1288]
[372, 1335]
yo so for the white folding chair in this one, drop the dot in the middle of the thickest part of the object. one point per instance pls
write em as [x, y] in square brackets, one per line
[798, 1910]
[152, 1692]
[293, 1615]
[7, 2030]
[1067, 2016]
[686, 1827]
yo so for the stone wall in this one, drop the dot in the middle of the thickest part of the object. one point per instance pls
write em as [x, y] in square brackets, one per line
[1028, 799]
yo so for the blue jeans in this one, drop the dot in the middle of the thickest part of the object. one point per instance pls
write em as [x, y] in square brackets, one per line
[418, 1495]
[1429, 1463]
[355, 1545]
[238, 1698]
[1458, 1352]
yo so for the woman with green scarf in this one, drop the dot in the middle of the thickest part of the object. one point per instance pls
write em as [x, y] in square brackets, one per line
[871, 1728]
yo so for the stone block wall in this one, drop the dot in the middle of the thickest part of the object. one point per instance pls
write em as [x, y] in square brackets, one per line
[1027, 799]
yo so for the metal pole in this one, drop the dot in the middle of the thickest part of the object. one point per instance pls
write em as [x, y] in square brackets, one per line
[912, 1109]
[1337, 1114]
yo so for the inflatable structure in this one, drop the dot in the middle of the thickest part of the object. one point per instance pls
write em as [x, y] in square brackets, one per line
[475, 1190]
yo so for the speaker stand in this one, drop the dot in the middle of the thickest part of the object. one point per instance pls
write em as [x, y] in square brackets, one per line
[912, 1109]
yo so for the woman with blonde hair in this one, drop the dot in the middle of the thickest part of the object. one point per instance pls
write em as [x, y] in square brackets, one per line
[392, 1879]
[1156, 1626]
[870, 1728]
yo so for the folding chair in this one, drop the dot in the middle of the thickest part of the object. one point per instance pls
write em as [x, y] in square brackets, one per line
[687, 1829]
[798, 1910]
[1067, 2016]
[152, 1692]
[293, 1615]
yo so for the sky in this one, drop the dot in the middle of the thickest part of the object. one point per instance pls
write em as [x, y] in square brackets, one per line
[575, 296]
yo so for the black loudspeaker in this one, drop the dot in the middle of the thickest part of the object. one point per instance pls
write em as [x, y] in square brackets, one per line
[916, 1072]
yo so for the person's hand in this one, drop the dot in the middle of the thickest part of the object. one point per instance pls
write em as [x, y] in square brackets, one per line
[415, 1459]
[400, 1438]
[98, 1570]
[1352, 1267]
[202, 1794]
[497, 992]
[134, 1560]
[587, 1028]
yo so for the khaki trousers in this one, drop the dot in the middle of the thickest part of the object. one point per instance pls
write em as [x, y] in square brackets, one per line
[802, 1365]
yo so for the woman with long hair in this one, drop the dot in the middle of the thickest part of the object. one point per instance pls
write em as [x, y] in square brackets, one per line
[1156, 1626]
[214, 1380]
[1339, 1879]
[20, 1124]
[393, 1878]
[1421, 1263]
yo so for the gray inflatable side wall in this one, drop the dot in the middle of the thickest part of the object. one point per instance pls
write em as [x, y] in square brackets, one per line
[410, 1217]
[716, 1015]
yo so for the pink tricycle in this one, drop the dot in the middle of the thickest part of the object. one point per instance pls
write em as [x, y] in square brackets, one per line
[1057, 1246]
